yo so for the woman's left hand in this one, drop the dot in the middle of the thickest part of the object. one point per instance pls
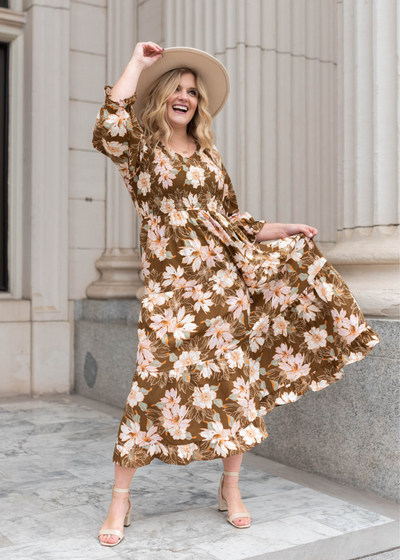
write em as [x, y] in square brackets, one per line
[278, 231]
[293, 229]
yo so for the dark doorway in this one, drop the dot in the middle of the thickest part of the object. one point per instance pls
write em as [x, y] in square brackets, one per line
[4, 62]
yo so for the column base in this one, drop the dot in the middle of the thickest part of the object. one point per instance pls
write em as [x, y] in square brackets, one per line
[120, 275]
[368, 259]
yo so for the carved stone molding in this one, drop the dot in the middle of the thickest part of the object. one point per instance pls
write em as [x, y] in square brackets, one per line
[368, 259]
[119, 269]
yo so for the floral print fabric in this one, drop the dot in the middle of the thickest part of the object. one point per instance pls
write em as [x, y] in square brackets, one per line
[229, 328]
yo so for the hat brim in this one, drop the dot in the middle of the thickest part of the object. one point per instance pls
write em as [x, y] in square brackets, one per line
[211, 70]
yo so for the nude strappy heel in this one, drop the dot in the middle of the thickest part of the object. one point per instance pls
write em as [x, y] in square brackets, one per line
[223, 505]
[127, 520]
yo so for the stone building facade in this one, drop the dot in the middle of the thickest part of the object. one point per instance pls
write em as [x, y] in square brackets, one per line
[309, 134]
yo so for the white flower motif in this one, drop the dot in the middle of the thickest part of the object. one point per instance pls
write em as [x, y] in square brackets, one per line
[196, 176]
[324, 290]
[235, 358]
[254, 371]
[307, 308]
[260, 329]
[221, 437]
[223, 279]
[317, 386]
[186, 451]
[287, 398]
[114, 149]
[338, 318]
[280, 325]
[136, 395]
[283, 352]
[314, 268]
[171, 398]
[354, 357]
[251, 434]
[316, 338]
[294, 367]
[116, 122]
[238, 303]
[175, 422]
[218, 332]
[144, 183]
[203, 396]
[178, 217]
[241, 388]
[350, 328]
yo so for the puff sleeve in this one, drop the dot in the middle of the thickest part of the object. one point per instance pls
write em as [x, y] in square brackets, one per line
[244, 220]
[117, 132]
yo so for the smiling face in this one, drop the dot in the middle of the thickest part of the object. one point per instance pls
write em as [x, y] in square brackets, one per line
[184, 97]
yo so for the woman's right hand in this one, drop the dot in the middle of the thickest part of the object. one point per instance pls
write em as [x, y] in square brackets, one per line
[146, 54]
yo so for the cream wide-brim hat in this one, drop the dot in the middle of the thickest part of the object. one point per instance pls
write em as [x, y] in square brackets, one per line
[211, 70]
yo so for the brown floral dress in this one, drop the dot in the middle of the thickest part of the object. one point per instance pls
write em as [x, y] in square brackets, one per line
[229, 328]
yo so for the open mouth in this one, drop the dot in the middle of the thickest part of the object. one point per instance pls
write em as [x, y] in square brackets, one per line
[180, 109]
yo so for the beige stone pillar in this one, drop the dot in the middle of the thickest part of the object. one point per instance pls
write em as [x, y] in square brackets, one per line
[45, 220]
[368, 244]
[120, 264]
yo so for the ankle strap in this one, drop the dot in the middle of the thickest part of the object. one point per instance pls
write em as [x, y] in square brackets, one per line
[231, 473]
[121, 489]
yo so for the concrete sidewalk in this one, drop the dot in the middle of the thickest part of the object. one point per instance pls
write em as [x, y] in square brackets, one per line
[56, 476]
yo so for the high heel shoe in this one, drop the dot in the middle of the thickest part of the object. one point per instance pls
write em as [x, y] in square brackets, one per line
[223, 505]
[127, 520]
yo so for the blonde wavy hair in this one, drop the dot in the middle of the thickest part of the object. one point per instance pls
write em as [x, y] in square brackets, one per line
[153, 118]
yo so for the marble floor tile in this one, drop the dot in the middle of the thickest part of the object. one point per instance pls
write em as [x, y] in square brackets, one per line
[348, 518]
[29, 404]
[288, 503]
[178, 532]
[192, 554]
[170, 500]
[39, 416]
[105, 449]
[81, 546]
[270, 536]
[389, 555]
[33, 468]
[4, 541]
[17, 505]
[238, 545]
[98, 512]
[61, 522]
[6, 416]
[26, 487]
[76, 494]
[294, 530]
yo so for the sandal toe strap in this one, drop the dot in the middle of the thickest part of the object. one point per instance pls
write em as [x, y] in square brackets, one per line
[111, 532]
[236, 515]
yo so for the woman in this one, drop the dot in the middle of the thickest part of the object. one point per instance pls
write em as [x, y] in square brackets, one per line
[229, 328]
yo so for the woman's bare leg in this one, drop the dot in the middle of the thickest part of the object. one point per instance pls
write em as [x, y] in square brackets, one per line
[119, 503]
[230, 489]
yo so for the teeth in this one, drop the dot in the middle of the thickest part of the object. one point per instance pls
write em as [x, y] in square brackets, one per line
[180, 107]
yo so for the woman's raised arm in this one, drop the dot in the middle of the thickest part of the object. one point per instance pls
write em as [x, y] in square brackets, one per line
[117, 131]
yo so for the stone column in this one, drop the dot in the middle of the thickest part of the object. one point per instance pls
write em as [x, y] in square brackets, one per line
[120, 264]
[368, 243]
[45, 221]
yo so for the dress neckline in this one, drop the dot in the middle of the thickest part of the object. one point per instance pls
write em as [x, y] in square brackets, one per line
[196, 152]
